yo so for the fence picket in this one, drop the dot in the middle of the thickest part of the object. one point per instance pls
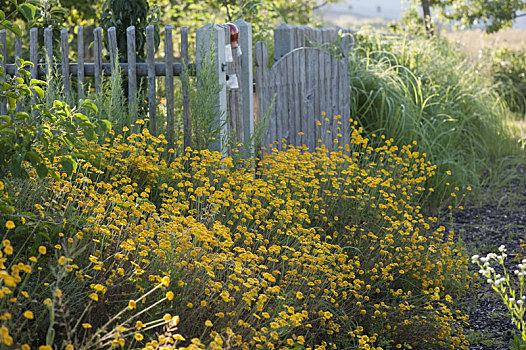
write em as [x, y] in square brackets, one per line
[187, 127]
[18, 55]
[150, 60]
[169, 85]
[80, 64]
[97, 57]
[132, 64]
[247, 82]
[64, 51]
[33, 57]
[3, 53]
[48, 43]
[112, 46]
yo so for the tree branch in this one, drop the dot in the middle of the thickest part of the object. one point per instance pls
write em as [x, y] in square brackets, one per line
[317, 7]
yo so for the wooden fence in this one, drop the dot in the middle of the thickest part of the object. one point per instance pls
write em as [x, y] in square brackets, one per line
[305, 82]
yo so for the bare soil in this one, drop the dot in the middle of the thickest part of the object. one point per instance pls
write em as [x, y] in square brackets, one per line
[482, 230]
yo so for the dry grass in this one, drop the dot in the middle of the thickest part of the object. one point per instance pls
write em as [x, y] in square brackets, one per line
[474, 41]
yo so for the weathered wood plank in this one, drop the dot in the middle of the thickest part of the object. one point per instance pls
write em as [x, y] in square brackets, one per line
[97, 56]
[3, 53]
[297, 99]
[335, 83]
[309, 115]
[150, 60]
[80, 60]
[303, 97]
[322, 96]
[246, 82]
[291, 91]
[346, 108]
[261, 58]
[64, 52]
[33, 57]
[89, 69]
[187, 126]
[132, 64]
[18, 55]
[18, 48]
[169, 86]
[48, 43]
[112, 46]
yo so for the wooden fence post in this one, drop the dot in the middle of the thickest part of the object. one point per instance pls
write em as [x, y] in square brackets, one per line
[80, 60]
[169, 85]
[150, 60]
[97, 57]
[187, 127]
[3, 53]
[283, 40]
[64, 50]
[33, 57]
[132, 64]
[48, 44]
[213, 36]
[247, 79]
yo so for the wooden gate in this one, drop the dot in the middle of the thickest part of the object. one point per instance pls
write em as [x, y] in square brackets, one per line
[308, 93]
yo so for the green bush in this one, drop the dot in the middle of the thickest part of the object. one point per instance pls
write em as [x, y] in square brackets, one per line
[508, 68]
[425, 90]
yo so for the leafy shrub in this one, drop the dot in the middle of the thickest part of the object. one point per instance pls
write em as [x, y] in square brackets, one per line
[315, 249]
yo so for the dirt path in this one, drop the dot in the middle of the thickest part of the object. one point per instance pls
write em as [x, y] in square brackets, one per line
[482, 230]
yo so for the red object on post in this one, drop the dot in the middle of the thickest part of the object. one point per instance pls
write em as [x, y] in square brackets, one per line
[234, 34]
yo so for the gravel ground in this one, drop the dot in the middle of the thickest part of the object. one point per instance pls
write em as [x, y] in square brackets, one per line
[483, 229]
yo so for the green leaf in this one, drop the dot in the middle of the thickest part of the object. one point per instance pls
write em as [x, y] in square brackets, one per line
[42, 170]
[13, 27]
[81, 117]
[104, 125]
[21, 116]
[11, 102]
[69, 165]
[2, 15]
[39, 91]
[38, 81]
[28, 11]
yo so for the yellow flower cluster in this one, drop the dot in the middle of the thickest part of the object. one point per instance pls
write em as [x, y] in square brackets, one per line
[318, 249]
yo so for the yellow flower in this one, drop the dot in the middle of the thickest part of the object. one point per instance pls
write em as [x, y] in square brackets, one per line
[29, 315]
[299, 295]
[94, 296]
[208, 323]
[139, 325]
[167, 317]
[45, 347]
[169, 295]
[42, 250]
[26, 347]
[10, 225]
[70, 347]
[178, 337]
[132, 304]
[86, 325]
[138, 336]
[166, 281]
[8, 250]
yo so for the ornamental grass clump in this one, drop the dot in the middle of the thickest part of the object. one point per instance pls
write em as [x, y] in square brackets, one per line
[312, 249]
